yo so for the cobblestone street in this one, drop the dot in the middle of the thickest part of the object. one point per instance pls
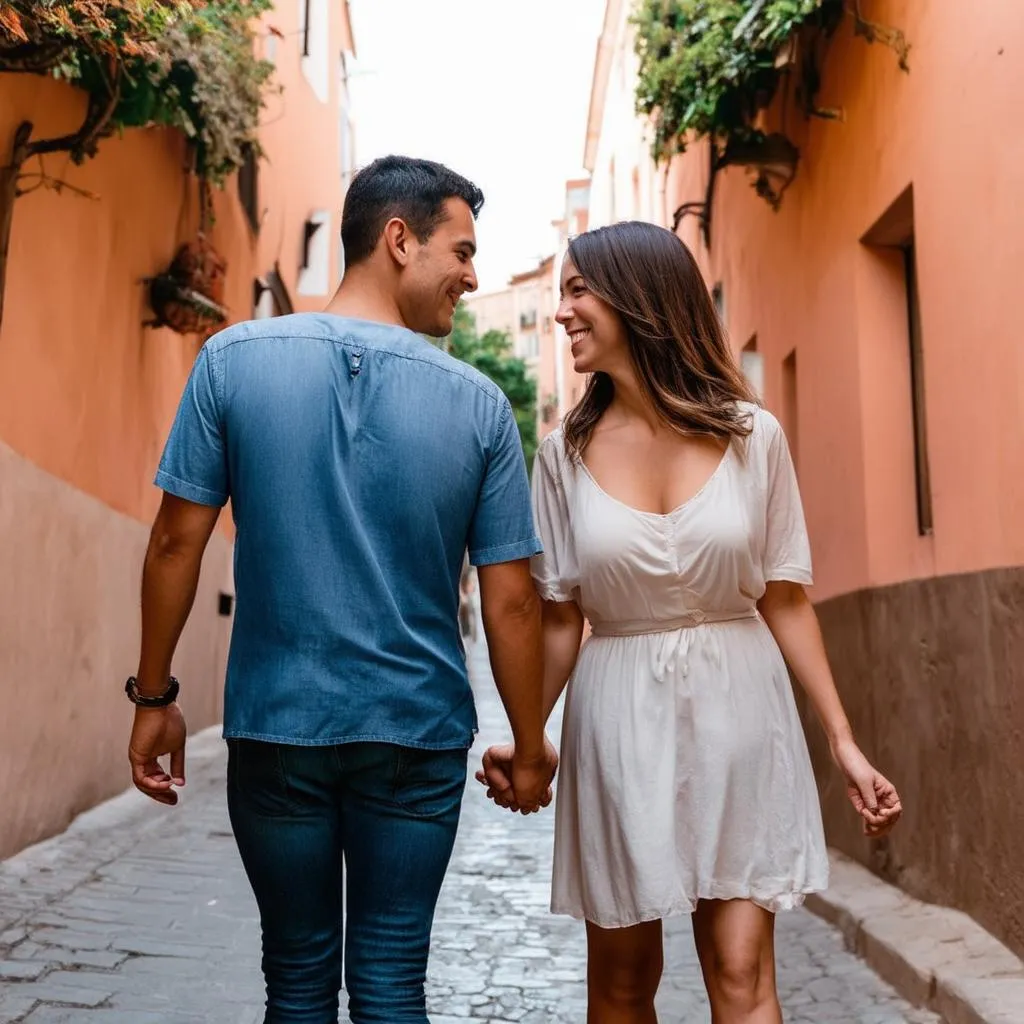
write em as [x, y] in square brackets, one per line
[141, 915]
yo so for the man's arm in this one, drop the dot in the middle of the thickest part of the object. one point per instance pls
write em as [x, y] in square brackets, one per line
[562, 629]
[169, 580]
[170, 577]
[512, 623]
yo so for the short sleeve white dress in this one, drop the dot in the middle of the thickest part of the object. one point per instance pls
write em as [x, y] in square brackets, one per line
[684, 768]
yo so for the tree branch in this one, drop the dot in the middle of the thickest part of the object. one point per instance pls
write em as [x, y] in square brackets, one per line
[35, 58]
[83, 141]
[887, 34]
[44, 180]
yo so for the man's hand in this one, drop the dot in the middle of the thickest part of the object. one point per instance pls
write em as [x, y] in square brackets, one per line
[519, 786]
[156, 732]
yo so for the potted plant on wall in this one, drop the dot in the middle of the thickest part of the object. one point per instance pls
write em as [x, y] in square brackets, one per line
[185, 64]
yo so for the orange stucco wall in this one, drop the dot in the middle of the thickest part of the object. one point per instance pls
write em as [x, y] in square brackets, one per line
[923, 632]
[800, 279]
[88, 393]
[301, 136]
[87, 396]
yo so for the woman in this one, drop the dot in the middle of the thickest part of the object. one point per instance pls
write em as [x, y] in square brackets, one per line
[669, 512]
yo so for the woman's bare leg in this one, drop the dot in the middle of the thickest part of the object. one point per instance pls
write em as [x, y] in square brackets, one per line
[736, 946]
[623, 972]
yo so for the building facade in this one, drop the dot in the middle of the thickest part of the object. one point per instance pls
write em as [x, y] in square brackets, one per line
[88, 391]
[525, 311]
[624, 182]
[493, 311]
[568, 384]
[871, 311]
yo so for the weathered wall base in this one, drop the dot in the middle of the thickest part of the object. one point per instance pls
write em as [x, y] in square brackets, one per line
[69, 632]
[932, 675]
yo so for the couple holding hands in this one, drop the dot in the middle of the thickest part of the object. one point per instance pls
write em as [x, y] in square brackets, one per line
[361, 463]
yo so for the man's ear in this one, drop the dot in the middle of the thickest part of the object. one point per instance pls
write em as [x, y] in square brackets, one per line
[398, 238]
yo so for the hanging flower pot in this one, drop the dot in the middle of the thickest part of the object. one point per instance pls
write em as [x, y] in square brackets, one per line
[188, 296]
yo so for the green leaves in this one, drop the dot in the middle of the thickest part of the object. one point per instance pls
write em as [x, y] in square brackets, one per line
[209, 60]
[706, 66]
[492, 356]
[187, 64]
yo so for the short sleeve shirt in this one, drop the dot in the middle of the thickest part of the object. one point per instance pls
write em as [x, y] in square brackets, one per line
[360, 462]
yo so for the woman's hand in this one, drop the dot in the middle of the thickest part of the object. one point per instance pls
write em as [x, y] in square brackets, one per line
[499, 768]
[873, 796]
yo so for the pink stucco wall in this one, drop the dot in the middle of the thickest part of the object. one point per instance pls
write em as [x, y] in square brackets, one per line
[800, 279]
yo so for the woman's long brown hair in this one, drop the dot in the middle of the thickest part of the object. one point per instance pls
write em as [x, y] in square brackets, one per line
[682, 359]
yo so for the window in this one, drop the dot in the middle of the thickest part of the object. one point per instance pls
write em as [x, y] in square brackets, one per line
[315, 269]
[892, 239]
[752, 365]
[304, 21]
[528, 320]
[790, 412]
[262, 300]
[269, 295]
[248, 187]
[529, 346]
[718, 298]
[346, 155]
[925, 520]
[282, 300]
[314, 35]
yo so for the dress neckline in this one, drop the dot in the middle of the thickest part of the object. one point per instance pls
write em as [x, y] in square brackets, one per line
[715, 473]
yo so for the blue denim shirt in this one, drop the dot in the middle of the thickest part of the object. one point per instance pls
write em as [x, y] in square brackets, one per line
[360, 462]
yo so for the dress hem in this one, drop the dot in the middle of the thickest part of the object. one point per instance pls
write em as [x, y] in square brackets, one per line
[790, 900]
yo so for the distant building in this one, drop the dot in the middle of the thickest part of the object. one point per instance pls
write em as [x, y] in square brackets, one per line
[493, 311]
[566, 384]
[624, 183]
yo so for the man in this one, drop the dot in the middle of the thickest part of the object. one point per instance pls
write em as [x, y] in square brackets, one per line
[361, 462]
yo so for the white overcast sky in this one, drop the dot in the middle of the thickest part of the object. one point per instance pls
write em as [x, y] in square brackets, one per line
[496, 90]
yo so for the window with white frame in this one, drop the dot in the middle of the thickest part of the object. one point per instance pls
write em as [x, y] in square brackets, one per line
[263, 300]
[315, 269]
[346, 154]
[752, 365]
[314, 39]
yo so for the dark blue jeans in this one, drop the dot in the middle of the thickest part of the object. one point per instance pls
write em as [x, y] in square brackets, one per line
[390, 814]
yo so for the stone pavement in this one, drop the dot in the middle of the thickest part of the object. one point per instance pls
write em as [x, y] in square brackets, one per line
[141, 915]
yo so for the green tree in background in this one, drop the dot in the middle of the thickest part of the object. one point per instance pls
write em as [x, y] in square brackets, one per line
[491, 354]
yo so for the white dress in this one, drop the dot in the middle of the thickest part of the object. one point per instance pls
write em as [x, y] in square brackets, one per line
[684, 768]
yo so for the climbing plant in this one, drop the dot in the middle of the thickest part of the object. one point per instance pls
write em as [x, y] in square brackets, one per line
[709, 67]
[186, 64]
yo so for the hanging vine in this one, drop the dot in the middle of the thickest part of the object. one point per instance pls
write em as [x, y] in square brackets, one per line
[709, 67]
[184, 64]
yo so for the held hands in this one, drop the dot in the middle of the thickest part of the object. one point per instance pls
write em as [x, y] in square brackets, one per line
[515, 783]
[873, 796]
[156, 732]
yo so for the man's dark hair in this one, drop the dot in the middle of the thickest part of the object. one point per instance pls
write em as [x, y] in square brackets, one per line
[400, 186]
